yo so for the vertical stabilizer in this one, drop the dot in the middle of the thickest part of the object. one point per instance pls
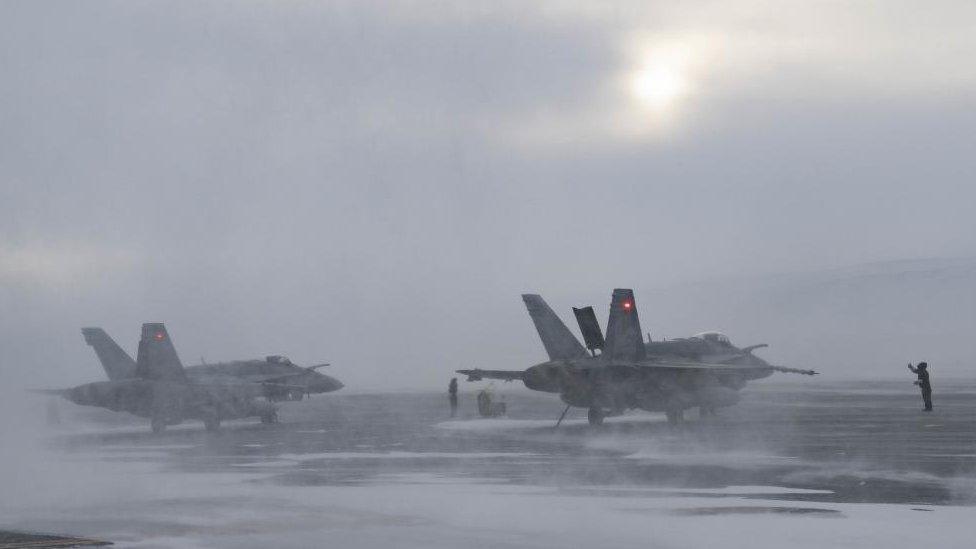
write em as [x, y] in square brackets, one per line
[624, 341]
[116, 362]
[559, 342]
[157, 359]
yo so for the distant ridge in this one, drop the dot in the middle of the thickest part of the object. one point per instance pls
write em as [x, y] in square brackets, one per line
[868, 319]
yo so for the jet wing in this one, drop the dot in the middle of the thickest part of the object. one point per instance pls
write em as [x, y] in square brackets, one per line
[729, 368]
[282, 378]
[290, 387]
[243, 383]
[786, 370]
[478, 374]
[277, 378]
[267, 378]
[247, 389]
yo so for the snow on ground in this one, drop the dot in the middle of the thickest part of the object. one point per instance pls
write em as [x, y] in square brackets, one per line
[383, 472]
[141, 505]
[286, 460]
[153, 509]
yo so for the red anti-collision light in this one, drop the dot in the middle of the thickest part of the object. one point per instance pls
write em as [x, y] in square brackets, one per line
[627, 305]
[159, 336]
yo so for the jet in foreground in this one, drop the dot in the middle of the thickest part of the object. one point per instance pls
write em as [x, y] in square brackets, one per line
[161, 390]
[705, 371]
[281, 379]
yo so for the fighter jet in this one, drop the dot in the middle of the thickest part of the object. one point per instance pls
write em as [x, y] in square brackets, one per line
[160, 389]
[281, 379]
[622, 372]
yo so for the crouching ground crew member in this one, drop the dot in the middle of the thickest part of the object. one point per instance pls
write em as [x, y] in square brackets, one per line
[922, 371]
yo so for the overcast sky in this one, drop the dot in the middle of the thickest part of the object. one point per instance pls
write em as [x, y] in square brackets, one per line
[374, 184]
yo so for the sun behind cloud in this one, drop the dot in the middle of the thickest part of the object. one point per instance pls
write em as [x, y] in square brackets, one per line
[658, 87]
[662, 75]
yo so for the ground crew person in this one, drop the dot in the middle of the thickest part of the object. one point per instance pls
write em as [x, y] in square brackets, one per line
[922, 371]
[484, 402]
[452, 395]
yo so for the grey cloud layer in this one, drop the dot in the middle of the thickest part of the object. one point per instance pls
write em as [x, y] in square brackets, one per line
[374, 184]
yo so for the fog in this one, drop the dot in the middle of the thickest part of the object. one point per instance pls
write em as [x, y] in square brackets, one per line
[374, 184]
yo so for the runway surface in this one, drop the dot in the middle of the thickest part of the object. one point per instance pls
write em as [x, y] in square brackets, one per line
[800, 465]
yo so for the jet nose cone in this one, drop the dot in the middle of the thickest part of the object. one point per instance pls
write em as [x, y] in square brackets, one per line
[327, 385]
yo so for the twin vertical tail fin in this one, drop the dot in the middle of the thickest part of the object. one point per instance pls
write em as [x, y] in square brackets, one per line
[590, 328]
[117, 363]
[624, 342]
[559, 342]
[157, 359]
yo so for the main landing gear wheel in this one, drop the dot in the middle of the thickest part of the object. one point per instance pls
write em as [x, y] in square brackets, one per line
[595, 416]
[269, 418]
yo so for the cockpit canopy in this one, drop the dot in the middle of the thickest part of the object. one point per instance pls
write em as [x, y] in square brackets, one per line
[714, 337]
[278, 359]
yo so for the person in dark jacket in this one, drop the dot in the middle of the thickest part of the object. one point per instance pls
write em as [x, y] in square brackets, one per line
[922, 371]
[452, 394]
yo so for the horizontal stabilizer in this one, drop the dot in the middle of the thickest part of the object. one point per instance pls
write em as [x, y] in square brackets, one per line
[479, 374]
[52, 392]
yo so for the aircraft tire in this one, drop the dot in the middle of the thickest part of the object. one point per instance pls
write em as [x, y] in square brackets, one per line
[595, 416]
[269, 418]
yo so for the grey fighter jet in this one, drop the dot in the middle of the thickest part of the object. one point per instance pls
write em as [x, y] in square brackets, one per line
[622, 371]
[161, 390]
[281, 379]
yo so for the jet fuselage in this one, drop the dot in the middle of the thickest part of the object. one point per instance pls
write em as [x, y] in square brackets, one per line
[172, 403]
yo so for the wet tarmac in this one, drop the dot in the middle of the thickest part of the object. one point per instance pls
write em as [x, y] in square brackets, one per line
[373, 469]
[29, 540]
